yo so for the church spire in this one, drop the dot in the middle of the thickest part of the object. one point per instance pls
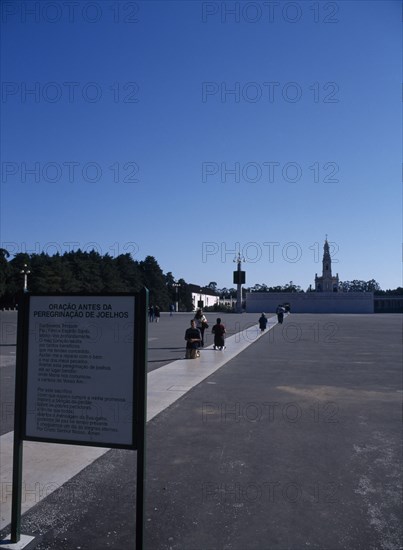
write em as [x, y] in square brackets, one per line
[326, 283]
[327, 261]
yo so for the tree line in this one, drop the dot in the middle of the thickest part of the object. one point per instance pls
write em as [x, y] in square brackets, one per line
[80, 272]
[344, 286]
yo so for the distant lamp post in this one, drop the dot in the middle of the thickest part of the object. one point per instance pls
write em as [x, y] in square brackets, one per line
[25, 271]
[239, 280]
[176, 285]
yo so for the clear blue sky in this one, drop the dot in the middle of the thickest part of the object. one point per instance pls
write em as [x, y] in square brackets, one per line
[119, 131]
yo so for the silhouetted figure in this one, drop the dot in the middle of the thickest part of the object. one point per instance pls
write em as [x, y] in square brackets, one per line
[201, 324]
[262, 322]
[193, 339]
[219, 331]
[151, 314]
[280, 314]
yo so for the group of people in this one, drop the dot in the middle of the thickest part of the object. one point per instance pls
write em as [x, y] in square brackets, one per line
[280, 317]
[154, 314]
[194, 335]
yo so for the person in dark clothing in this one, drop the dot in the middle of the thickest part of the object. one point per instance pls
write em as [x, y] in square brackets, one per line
[151, 314]
[280, 314]
[263, 322]
[218, 330]
[193, 339]
[201, 324]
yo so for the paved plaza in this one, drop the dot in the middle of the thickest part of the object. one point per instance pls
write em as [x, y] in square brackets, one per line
[288, 440]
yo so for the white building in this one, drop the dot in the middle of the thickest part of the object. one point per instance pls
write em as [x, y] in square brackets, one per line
[204, 295]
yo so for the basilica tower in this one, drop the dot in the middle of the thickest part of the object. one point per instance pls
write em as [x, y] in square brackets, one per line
[326, 283]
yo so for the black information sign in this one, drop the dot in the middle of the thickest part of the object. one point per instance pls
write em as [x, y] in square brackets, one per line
[80, 370]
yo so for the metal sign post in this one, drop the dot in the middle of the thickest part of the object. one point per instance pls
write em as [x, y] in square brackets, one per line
[18, 445]
[141, 313]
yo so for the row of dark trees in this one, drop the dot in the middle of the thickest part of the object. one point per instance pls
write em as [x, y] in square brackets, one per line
[89, 272]
[344, 286]
[80, 271]
[368, 286]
